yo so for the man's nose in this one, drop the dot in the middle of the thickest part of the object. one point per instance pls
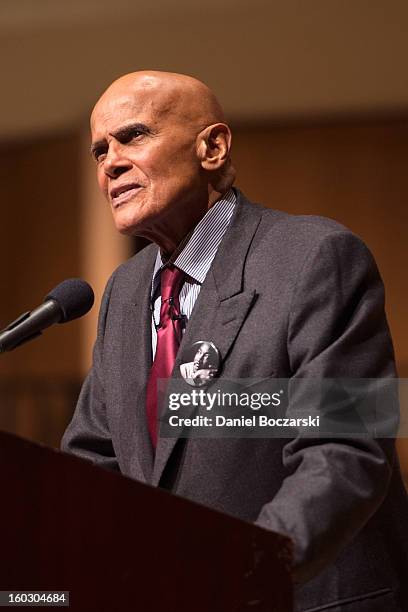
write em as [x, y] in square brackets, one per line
[116, 161]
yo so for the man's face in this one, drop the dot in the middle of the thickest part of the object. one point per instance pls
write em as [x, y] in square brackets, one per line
[147, 164]
[202, 357]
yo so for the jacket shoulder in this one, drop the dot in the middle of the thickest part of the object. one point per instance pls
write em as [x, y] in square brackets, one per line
[272, 216]
[295, 230]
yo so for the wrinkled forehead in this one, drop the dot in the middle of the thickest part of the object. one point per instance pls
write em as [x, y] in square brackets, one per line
[148, 105]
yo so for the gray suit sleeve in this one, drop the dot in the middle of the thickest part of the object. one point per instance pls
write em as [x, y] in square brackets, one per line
[88, 434]
[337, 329]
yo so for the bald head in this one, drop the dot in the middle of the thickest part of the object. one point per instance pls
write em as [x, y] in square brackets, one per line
[170, 94]
[162, 149]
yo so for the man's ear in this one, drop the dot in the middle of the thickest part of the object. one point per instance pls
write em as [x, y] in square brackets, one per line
[213, 146]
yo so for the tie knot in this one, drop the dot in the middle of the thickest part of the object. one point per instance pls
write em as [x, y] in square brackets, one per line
[171, 279]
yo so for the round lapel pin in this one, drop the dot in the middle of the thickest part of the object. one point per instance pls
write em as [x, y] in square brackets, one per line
[202, 365]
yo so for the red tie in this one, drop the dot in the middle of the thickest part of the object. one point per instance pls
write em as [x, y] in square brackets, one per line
[168, 342]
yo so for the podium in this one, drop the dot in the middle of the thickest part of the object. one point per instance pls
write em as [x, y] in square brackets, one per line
[118, 545]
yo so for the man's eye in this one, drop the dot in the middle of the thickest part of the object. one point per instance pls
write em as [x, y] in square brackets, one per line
[99, 155]
[132, 135]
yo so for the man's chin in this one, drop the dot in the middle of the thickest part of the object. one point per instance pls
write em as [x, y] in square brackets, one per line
[129, 229]
[127, 223]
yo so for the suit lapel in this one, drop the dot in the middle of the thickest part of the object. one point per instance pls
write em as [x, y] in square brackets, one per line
[135, 367]
[222, 305]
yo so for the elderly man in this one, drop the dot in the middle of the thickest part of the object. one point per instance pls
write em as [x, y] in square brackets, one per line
[276, 296]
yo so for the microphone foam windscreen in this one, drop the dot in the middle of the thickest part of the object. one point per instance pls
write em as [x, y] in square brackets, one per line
[74, 296]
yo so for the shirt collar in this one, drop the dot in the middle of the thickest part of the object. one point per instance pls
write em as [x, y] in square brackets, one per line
[197, 255]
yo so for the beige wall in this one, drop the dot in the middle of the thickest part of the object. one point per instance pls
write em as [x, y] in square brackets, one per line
[38, 249]
[39, 246]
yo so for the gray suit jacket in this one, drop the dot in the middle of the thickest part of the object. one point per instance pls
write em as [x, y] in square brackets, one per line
[285, 297]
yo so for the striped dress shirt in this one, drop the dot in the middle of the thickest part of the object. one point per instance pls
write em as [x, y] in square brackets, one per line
[194, 259]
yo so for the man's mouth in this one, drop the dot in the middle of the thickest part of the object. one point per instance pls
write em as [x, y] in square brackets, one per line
[123, 193]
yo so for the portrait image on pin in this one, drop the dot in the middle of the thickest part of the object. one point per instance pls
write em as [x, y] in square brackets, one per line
[202, 365]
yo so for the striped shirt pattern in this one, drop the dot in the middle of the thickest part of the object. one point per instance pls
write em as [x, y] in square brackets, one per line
[195, 259]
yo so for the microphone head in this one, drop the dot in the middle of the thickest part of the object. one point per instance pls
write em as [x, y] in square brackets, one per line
[74, 297]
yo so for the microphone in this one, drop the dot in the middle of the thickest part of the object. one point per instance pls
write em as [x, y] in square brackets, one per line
[67, 301]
